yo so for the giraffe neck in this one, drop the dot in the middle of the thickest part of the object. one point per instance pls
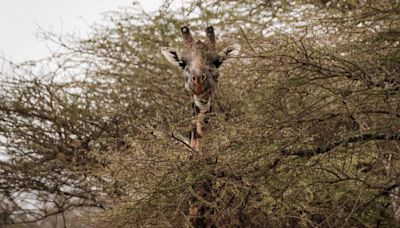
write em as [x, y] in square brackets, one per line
[202, 103]
[201, 107]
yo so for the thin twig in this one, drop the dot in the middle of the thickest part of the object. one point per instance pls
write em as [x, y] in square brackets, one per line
[247, 40]
[180, 140]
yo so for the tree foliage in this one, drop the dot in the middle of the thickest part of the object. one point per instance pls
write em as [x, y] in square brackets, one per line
[305, 128]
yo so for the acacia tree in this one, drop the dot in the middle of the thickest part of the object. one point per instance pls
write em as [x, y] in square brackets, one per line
[305, 131]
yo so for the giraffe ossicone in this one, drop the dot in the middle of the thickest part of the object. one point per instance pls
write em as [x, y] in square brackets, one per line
[200, 62]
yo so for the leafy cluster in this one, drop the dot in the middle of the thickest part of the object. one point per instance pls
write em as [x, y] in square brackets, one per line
[304, 129]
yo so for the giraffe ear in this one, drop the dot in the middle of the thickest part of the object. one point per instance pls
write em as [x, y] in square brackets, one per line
[173, 56]
[227, 52]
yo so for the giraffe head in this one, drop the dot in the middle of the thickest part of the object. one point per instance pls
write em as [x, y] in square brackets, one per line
[199, 60]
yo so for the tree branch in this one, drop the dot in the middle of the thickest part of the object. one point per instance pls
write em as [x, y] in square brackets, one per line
[353, 139]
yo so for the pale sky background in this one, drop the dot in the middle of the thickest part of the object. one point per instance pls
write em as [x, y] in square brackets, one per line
[19, 20]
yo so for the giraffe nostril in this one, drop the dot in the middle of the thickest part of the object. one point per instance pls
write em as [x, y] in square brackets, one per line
[193, 78]
[203, 77]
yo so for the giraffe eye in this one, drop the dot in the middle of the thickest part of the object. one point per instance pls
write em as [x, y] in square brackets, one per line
[217, 63]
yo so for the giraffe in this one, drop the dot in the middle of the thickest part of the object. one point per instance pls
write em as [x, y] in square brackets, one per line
[200, 62]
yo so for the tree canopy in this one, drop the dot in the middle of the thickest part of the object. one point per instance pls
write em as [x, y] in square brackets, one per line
[305, 124]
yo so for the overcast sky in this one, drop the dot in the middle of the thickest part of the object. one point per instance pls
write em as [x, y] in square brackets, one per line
[19, 20]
